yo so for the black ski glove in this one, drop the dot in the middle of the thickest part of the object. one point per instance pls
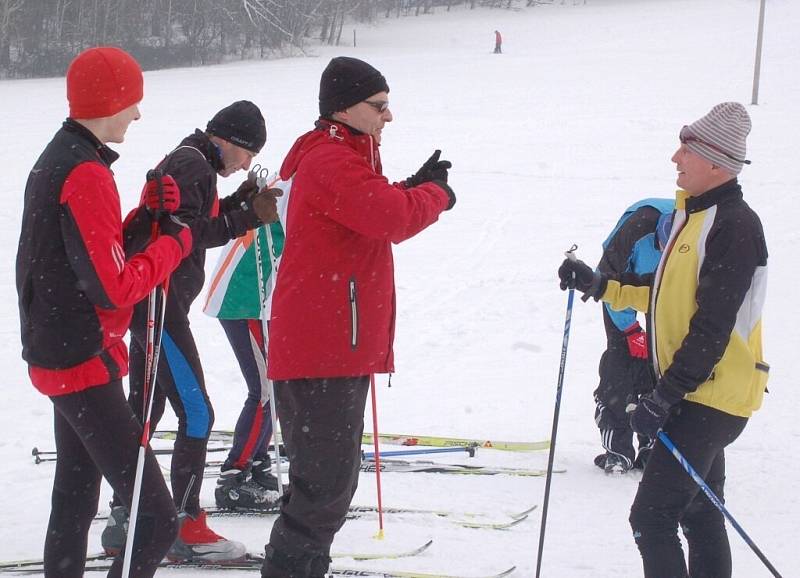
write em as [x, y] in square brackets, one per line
[251, 200]
[575, 274]
[185, 234]
[650, 414]
[234, 201]
[450, 193]
[432, 170]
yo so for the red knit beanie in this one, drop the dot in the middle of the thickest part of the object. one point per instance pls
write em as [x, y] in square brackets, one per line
[103, 81]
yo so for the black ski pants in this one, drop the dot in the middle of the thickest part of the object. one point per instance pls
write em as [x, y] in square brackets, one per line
[622, 380]
[322, 421]
[668, 497]
[180, 380]
[96, 435]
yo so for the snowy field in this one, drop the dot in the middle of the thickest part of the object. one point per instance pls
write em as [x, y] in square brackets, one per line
[550, 142]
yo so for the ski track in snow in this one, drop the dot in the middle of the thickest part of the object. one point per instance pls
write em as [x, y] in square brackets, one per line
[550, 142]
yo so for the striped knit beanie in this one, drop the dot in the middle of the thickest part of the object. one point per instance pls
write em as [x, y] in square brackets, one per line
[719, 137]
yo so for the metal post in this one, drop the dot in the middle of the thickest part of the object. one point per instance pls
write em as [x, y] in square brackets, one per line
[759, 41]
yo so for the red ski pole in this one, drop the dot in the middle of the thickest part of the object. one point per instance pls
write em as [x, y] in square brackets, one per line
[375, 440]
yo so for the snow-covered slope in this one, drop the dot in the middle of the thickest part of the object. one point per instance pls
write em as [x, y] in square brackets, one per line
[550, 142]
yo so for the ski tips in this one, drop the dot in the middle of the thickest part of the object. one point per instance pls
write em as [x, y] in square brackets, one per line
[524, 513]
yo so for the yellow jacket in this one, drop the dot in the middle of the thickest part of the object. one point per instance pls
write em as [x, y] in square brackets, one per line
[706, 294]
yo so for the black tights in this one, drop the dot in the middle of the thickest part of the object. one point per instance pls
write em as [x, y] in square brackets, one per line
[669, 497]
[97, 436]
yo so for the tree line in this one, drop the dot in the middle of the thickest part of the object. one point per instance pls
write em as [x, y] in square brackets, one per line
[40, 37]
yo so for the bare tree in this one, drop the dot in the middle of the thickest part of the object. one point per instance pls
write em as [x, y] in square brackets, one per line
[9, 9]
[40, 37]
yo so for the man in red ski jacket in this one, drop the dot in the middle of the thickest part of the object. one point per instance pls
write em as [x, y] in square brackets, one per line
[333, 310]
[76, 295]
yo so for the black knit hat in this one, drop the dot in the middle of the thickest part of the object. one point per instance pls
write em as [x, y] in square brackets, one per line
[347, 81]
[241, 124]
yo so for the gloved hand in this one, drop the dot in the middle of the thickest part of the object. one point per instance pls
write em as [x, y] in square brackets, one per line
[649, 415]
[432, 170]
[234, 201]
[246, 190]
[637, 341]
[241, 220]
[260, 203]
[165, 198]
[451, 194]
[184, 234]
[265, 205]
[575, 274]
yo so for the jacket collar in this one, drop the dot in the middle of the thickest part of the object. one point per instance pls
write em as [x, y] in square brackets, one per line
[105, 153]
[200, 141]
[329, 131]
[726, 192]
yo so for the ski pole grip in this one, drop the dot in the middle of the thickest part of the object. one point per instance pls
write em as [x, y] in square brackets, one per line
[570, 253]
[156, 175]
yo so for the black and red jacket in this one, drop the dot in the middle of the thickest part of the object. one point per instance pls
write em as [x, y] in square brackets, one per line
[193, 165]
[76, 290]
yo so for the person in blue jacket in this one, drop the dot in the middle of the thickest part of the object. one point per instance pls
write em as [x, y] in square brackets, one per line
[634, 245]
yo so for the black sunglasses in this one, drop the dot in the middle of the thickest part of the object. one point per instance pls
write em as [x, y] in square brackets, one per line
[380, 106]
[685, 137]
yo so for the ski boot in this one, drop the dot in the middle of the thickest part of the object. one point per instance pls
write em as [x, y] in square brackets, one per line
[234, 491]
[261, 472]
[113, 537]
[196, 542]
[617, 464]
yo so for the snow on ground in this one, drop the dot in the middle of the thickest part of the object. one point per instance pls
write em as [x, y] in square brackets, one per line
[550, 142]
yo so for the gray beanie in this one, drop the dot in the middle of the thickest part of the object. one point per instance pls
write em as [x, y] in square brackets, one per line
[719, 137]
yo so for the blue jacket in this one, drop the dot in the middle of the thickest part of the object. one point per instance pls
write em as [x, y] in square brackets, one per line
[634, 246]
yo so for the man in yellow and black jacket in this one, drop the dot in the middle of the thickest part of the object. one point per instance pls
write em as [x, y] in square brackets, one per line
[705, 300]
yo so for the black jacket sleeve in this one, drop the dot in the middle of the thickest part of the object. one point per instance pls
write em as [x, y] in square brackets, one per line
[617, 254]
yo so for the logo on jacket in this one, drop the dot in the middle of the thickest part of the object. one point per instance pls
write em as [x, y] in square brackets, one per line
[118, 254]
[684, 248]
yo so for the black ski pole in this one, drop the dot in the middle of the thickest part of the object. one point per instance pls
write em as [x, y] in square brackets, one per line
[564, 343]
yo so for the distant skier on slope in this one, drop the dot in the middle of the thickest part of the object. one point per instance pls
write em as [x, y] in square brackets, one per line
[634, 246]
[498, 42]
[705, 300]
[333, 311]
